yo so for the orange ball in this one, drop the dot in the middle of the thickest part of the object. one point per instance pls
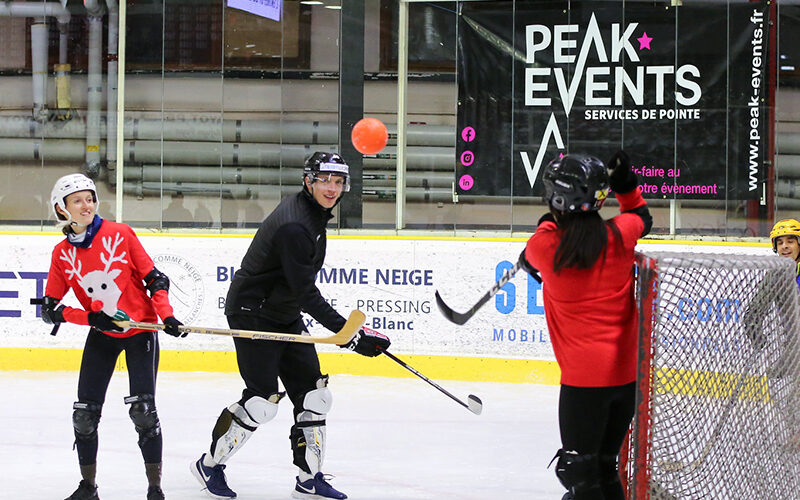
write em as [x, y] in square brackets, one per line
[369, 136]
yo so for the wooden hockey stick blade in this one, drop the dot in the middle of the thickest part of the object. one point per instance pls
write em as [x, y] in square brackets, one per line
[474, 404]
[343, 336]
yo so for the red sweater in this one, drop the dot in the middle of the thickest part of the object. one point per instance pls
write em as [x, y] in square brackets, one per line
[591, 313]
[116, 282]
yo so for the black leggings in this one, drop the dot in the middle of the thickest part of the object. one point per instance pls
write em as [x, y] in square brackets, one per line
[100, 356]
[594, 421]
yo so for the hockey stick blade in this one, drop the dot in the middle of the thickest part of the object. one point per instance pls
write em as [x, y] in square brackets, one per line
[474, 404]
[461, 318]
[343, 336]
[456, 317]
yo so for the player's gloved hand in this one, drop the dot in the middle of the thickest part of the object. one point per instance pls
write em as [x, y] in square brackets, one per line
[621, 178]
[103, 322]
[368, 342]
[52, 313]
[171, 325]
[528, 268]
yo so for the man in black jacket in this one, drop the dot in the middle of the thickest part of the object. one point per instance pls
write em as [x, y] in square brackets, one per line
[274, 284]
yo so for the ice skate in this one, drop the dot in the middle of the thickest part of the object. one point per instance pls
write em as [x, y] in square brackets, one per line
[316, 487]
[85, 491]
[212, 479]
[155, 493]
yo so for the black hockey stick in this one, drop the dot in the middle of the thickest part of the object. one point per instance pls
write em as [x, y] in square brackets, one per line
[461, 318]
[473, 404]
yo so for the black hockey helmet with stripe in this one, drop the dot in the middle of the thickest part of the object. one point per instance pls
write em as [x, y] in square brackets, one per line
[575, 183]
[321, 163]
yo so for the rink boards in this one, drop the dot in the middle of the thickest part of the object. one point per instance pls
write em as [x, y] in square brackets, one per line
[391, 279]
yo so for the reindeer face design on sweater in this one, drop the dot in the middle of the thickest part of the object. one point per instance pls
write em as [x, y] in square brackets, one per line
[99, 285]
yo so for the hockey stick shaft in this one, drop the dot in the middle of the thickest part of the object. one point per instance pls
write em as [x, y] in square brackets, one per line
[461, 318]
[343, 336]
[736, 393]
[475, 405]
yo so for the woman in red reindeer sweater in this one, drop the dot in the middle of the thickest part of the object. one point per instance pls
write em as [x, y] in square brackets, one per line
[108, 270]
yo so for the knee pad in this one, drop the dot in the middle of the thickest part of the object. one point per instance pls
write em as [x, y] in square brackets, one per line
[237, 423]
[317, 401]
[308, 433]
[85, 417]
[577, 472]
[144, 416]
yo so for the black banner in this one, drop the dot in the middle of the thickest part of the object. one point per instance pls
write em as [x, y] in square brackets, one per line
[683, 90]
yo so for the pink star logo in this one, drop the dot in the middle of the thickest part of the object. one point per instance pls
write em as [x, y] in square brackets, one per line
[644, 41]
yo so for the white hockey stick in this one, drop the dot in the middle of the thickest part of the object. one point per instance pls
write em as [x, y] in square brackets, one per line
[343, 336]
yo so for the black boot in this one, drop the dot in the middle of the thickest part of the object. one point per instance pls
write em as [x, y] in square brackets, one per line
[155, 493]
[85, 491]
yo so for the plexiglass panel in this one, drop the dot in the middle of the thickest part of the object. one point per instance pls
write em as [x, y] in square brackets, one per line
[223, 104]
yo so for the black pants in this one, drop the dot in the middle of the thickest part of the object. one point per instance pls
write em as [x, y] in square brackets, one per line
[594, 421]
[262, 362]
[100, 354]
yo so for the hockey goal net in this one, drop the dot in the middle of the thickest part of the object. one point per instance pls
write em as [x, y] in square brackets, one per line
[718, 401]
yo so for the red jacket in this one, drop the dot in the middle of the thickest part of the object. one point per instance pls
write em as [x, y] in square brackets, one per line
[591, 314]
[110, 271]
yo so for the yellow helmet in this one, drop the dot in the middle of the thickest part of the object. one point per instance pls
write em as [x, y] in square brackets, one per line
[785, 227]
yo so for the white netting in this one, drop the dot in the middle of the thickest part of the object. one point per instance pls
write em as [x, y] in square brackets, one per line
[719, 410]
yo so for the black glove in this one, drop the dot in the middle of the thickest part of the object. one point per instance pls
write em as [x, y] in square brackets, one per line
[103, 322]
[52, 313]
[621, 178]
[528, 268]
[368, 342]
[171, 327]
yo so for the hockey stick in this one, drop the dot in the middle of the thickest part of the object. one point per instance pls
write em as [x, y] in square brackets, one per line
[461, 318]
[473, 404]
[341, 337]
[676, 465]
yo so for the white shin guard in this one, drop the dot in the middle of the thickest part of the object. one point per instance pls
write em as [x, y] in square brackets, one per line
[237, 423]
[308, 433]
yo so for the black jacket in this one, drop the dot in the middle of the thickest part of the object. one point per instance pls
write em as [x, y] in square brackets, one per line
[276, 278]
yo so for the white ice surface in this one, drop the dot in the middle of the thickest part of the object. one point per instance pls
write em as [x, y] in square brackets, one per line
[388, 438]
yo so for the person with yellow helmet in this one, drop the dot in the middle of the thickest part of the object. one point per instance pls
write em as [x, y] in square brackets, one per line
[785, 237]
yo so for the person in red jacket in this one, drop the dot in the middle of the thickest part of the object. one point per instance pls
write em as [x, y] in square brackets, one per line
[586, 266]
[110, 273]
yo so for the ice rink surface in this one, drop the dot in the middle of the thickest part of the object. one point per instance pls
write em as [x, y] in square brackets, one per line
[388, 438]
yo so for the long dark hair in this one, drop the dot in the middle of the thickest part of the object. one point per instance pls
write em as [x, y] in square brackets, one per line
[584, 239]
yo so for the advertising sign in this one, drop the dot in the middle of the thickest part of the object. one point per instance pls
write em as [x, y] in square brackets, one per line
[682, 89]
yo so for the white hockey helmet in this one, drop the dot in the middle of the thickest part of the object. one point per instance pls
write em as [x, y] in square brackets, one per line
[67, 185]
